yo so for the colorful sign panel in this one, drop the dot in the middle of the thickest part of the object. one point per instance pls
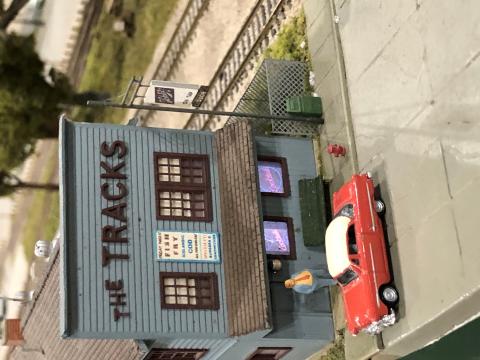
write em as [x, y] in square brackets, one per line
[187, 246]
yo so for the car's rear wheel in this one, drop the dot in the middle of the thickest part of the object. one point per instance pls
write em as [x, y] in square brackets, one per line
[379, 206]
[389, 295]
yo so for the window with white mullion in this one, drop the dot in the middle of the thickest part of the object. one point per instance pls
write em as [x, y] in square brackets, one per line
[189, 290]
[182, 187]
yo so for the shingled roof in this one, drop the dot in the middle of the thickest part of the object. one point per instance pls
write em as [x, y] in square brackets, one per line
[242, 238]
[40, 326]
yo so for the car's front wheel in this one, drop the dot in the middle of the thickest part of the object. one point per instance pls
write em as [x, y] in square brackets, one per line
[389, 295]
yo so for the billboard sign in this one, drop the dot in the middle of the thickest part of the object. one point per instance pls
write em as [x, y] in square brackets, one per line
[175, 94]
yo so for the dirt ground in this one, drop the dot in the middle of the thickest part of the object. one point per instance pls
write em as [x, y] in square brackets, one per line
[212, 38]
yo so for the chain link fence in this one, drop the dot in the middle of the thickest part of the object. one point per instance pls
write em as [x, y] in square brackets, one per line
[267, 94]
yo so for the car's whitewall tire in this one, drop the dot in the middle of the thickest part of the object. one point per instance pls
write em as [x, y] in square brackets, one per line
[379, 206]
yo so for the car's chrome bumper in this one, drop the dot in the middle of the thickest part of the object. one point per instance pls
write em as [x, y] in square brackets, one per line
[377, 326]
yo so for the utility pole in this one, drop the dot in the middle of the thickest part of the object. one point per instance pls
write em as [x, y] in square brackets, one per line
[136, 83]
[106, 103]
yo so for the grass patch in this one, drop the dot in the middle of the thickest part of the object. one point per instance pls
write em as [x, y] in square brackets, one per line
[291, 42]
[42, 222]
[53, 220]
[114, 58]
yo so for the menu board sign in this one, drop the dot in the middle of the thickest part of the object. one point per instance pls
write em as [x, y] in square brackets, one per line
[187, 246]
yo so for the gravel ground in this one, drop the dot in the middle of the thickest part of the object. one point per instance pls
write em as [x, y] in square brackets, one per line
[214, 35]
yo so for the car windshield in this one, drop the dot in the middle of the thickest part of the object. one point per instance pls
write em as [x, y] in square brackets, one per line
[347, 277]
[352, 240]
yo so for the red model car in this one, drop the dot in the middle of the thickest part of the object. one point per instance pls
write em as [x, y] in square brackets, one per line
[357, 257]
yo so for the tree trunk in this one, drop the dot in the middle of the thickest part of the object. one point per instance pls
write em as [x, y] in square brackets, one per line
[37, 186]
[11, 12]
[80, 99]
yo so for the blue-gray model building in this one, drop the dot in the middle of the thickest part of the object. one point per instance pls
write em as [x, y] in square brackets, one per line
[167, 237]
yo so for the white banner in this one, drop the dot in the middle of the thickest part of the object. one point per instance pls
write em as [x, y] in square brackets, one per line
[175, 94]
[187, 246]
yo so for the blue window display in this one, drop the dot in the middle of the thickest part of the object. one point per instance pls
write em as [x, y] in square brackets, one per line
[270, 177]
[276, 235]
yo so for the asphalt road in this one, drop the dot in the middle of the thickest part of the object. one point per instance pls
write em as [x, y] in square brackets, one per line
[52, 38]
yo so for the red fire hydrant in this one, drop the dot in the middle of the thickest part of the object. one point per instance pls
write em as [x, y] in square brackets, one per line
[336, 150]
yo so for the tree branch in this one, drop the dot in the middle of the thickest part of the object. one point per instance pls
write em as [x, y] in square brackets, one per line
[8, 15]
[39, 186]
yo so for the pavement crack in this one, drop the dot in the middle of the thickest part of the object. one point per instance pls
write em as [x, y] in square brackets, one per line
[472, 60]
[444, 163]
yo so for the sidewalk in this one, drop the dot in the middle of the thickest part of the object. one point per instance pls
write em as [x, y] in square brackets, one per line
[327, 63]
[328, 69]
[412, 70]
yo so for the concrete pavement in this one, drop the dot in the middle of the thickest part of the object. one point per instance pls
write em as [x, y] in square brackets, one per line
[412, 70]
[329, 69]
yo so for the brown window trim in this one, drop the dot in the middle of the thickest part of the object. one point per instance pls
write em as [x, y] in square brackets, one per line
[191, 188]
[291, 237]
[211, 277]
[286, 181]
[156, 353]
[261, 354]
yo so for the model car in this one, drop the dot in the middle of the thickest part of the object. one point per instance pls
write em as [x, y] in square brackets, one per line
[357, 257]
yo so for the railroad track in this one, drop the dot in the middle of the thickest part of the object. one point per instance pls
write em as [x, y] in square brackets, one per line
[180, 39]
[256, 34]
[176, 46]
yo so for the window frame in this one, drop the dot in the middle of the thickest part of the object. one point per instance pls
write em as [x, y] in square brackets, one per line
[190, 188]
[211, 277]
[285, 178]
[159, 352]
[291, 237]
[281, 352]
[352, 244]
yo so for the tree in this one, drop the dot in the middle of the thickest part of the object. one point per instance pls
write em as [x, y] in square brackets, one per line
[30, 101]
[9, 14]
[9, 183]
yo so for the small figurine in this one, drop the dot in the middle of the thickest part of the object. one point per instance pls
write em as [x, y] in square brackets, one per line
[308, 281]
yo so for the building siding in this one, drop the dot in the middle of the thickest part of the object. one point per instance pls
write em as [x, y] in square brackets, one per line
[216, 347]
[294, 315]
[301, 165]
[246, 345]
[89, 312]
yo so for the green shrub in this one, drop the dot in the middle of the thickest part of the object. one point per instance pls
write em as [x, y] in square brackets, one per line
[337, 351]
[291, 42]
